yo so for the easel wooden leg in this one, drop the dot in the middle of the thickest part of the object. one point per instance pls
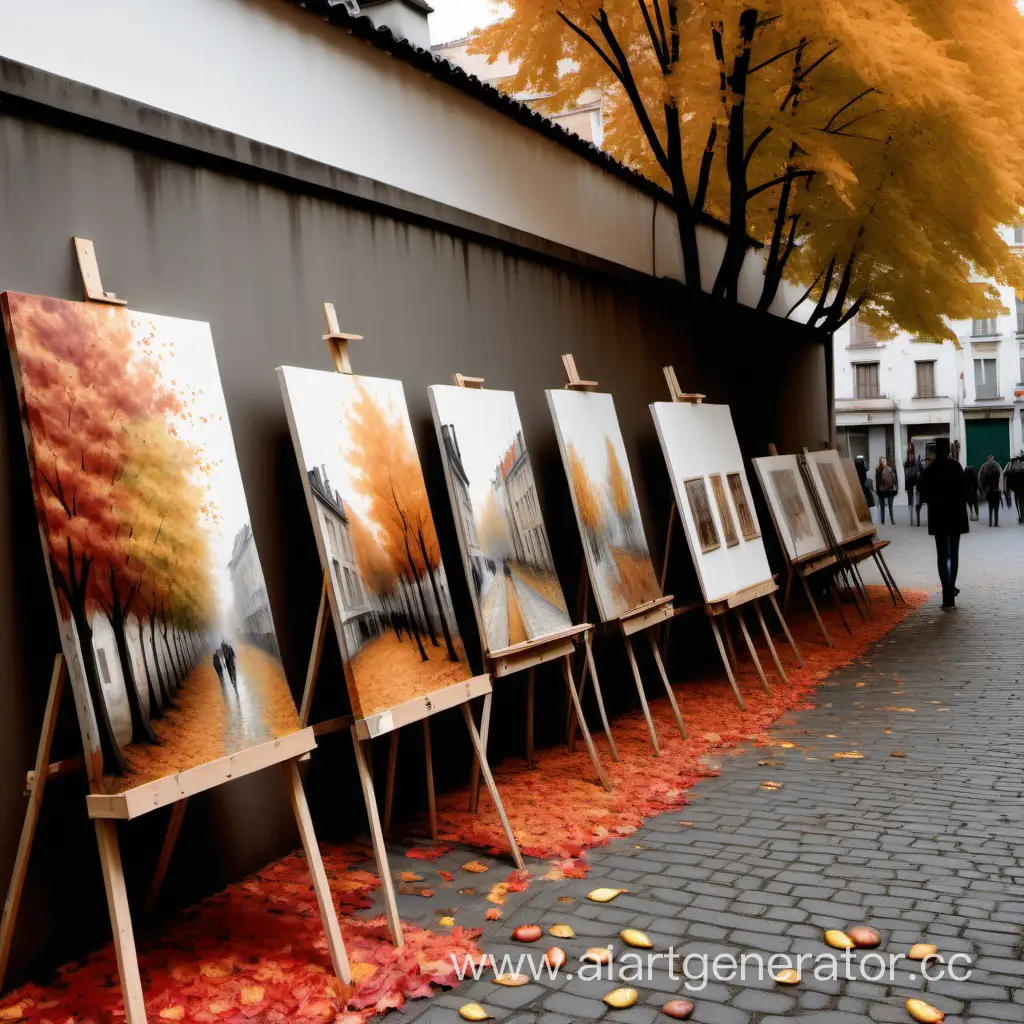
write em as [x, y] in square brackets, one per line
[771, 646]
[577, 709]
[317, 875]
[785, 629]
[837, 598]
[377, 838]
[789, 586]
[725, 661]
[643, 696]
[890, 580]
[668, 686]
[170, 838]
[814, 607]
[485, 730]
[35, 801]
[431, 796]
[389, 785]
[752, 652]
[733, 657]
[530, 678]
[315, 655]
[120, 921]
[485, 770]
[600, 699]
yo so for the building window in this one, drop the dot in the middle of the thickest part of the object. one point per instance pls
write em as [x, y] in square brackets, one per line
[984, 328]
[1020, 370]
[1020, 314]
[1018, 236]
[925, 378]
[860, 335]
[985, 385]
[865, 378]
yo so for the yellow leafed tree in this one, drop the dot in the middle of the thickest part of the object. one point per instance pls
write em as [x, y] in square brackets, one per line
[588, 502]
[875, 147]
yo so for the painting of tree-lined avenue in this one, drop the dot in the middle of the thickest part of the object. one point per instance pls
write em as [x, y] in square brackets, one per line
[376, 537]
[505, 545]
[160, 596]
[614, 543]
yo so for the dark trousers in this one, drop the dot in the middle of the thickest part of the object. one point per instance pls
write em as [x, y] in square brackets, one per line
[885, 501]
[947, 548]
[994, 501]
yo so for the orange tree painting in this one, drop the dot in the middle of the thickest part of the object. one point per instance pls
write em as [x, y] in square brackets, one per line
[376, 536]
[139, 500]
[614, 544]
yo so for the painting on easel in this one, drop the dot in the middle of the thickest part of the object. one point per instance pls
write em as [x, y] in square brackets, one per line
[700, 444]
[790, 504]
[830, 481]
[594, 456]
[499, 520]
[161, 601]
[376, 537]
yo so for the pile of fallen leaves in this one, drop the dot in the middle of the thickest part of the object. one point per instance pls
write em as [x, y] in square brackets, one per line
[558, 809]
[257, 950]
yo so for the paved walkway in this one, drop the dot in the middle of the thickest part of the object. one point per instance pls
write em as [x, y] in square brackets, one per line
[928, 846]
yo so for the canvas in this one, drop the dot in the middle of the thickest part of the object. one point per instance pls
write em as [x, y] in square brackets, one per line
[703, 457]
[375, 533]
[163, 610]
[860, 505]
[504, 542]
[829, 479]
[607, 513]
[792, 509]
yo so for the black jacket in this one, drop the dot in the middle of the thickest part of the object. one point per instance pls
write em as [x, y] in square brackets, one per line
[944, 488]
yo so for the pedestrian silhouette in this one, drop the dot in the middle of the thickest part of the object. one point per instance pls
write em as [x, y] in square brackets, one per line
[990, 478]
[228, 654]
[944, 488]
[218, 668]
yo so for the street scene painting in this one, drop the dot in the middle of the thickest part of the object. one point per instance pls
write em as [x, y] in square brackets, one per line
[790, 505]
[505, 547]
[375, 533]
[702, 454]
[594, 456]
[161, 601]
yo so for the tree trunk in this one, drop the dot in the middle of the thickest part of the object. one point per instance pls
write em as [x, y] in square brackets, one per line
[412, 626]
[176, 633]
[113, 760]
[452, 656]
[175, 667]
[142, 731]
[419, 590]
[165, 689]
[155, 702]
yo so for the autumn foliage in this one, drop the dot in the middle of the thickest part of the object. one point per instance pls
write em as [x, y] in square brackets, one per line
[874, 148]
[119, 498]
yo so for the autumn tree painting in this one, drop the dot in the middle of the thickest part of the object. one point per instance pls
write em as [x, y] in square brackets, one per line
[376, 536]
[132, 467]
[501, 527]
[848, 139]
[594, 456]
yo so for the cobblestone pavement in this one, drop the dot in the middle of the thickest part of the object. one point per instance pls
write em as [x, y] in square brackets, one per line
[928, 846]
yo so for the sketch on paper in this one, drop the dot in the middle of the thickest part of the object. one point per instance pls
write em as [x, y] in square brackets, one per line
[161, 601]
[738, 490]
[700, 509]
[724, 510]
[792, 509]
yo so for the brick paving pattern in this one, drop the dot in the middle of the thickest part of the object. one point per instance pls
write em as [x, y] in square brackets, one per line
[924, 847]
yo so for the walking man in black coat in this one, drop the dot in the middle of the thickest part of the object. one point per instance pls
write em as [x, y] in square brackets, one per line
[944, 488]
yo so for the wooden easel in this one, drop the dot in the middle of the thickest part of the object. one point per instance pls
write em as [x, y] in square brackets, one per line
[804, 568]
[418, 709]
[735, 602]
[646, 617]
[106, 807]
[526, 656]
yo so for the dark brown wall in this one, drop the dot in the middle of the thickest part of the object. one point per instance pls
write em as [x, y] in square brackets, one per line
[256, 260]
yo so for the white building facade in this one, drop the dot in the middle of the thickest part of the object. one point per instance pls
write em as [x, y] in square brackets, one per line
[889, 393]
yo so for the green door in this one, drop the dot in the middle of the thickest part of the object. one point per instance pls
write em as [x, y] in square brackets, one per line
[985, 438]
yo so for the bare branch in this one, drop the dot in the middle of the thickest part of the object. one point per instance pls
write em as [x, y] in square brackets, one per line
[788, 176]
